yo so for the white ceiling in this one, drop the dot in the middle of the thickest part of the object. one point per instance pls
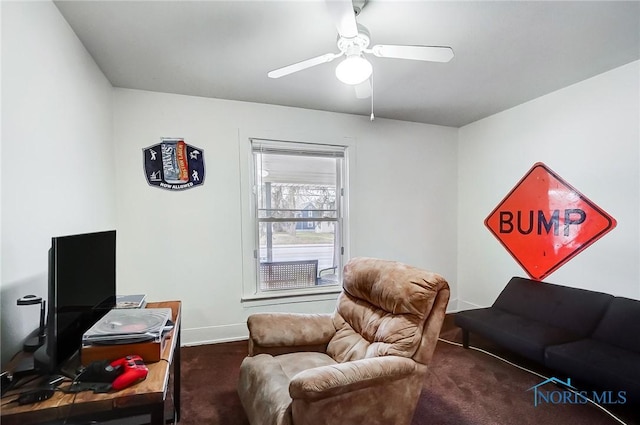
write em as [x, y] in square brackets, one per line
[506, 52]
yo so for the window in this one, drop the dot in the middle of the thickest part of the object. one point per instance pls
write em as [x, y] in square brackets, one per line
[298, 204]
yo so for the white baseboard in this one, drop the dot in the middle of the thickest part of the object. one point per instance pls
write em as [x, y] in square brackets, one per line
[452, 307]
[465, 305]
[214, 334]
[239, 331]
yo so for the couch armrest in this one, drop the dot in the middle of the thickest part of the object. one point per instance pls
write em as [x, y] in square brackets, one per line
[278, 333]
[327, 381]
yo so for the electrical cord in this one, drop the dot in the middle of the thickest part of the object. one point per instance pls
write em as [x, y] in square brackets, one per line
[42, 391]
[534, 373]
[68, 415]
[73, 400]
[16, 384]
[52, 387]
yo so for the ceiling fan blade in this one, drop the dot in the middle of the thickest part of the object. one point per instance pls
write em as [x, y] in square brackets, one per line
[299, 66]
[363, 90]
[344, 17]
[421, 53]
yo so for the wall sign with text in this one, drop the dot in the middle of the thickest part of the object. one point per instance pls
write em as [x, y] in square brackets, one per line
[543, 222]
[174, 165]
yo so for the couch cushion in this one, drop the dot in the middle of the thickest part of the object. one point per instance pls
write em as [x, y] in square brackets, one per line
[382, 309]
[264, 380]
[574, 309]
[598, 363]
[620, 325]
[521, 335]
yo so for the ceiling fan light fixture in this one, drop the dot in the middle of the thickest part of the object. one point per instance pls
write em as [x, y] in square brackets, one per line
[354, 69]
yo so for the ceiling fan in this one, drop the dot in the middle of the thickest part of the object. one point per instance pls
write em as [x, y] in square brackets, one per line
[353, 43]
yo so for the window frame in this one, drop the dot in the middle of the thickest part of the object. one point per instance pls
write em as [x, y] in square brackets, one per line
[250, 234]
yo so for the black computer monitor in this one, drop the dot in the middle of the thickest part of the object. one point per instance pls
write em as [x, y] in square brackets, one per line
[82, 289]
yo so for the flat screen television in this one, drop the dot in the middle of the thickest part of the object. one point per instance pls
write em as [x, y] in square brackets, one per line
[82, 289]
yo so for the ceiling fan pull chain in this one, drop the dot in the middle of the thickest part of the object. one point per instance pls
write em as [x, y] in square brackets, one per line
[372, 117]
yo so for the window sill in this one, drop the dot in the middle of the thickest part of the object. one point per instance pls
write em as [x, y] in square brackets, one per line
[291, 296]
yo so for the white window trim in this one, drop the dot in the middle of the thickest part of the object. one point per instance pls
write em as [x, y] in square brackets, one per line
[250, 292]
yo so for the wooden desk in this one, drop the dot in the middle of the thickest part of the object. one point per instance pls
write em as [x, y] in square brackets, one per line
[144, 398]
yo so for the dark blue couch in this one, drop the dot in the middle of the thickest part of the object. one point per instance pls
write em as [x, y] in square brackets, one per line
[589, 336]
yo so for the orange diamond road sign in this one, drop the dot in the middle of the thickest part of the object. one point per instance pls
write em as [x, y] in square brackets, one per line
[544, 222]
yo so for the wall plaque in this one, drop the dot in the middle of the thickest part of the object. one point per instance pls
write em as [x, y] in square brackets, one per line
[174, 165]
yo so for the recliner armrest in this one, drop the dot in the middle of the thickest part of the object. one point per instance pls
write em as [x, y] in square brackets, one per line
[327, 381]
[275, 333]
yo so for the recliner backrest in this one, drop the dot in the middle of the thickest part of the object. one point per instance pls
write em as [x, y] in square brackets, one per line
[382, 309]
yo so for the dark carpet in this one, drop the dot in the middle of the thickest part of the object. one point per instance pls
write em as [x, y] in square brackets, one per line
[463, 387]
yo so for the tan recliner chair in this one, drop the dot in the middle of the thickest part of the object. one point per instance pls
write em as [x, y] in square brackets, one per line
[363, 364]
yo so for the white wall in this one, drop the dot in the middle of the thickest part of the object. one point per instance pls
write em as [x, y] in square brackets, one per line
[72, 162]
[589, 134]
[57, 153]
[187, 245]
